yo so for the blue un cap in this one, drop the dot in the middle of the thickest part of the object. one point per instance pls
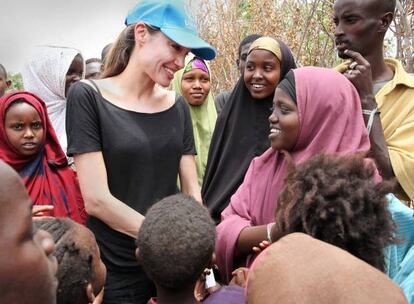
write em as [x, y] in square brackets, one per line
[171, 17]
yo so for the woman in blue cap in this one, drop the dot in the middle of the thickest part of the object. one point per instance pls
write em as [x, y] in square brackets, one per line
[130, 137]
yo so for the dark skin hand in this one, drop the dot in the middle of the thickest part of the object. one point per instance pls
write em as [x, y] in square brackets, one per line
[251, 240]
[361, 77]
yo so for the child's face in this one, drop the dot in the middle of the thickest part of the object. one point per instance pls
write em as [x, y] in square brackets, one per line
[24, 128]
[4, 83]
[195, 86]
[26, 261]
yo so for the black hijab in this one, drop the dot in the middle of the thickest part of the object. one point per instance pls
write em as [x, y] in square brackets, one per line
[241, 133]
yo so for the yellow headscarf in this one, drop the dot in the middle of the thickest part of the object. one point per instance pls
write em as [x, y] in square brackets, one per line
[268, 44]
[203, 118]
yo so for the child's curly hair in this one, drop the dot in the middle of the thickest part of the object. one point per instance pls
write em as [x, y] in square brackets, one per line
[335, 199]
[74, 263]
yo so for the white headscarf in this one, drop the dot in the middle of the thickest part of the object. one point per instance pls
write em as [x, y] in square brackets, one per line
[45, 75]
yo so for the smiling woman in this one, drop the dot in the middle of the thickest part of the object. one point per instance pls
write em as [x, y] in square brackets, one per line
[262, 73]
[241, 131]
[131, 138]
[304, 122]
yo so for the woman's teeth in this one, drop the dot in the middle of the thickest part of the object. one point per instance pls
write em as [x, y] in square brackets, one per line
[257, 86]
[171, 72]
[275, 131]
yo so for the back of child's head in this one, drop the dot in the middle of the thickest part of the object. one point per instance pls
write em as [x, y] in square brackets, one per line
[78, 262]
[335, 199]
[176, 242]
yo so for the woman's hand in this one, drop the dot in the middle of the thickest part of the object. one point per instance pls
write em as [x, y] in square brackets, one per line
[262, 246]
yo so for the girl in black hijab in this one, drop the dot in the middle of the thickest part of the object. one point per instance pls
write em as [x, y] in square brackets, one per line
[241, 131]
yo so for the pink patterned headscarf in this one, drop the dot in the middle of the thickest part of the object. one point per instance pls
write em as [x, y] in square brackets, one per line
[196, 63]
[331, 122]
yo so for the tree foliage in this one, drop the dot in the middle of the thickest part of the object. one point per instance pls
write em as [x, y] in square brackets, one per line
[304, 25]
[403, 29]
[17, 82]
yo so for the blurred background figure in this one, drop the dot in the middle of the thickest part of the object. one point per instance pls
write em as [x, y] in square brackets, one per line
[4, 82]
[93, 68]
[49, 73]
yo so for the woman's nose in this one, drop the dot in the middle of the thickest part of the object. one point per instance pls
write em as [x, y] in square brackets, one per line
[257, 74]
[197, 84]
[273, 118]
[180, 60]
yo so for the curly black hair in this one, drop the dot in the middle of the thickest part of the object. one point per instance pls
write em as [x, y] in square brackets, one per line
[335, 199]
[176, 241]
[74, 265]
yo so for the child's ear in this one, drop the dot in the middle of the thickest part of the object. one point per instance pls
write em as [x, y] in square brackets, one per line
[200, 291]
[8, 83]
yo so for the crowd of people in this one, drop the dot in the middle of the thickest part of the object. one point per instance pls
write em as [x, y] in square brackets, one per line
[123, 180]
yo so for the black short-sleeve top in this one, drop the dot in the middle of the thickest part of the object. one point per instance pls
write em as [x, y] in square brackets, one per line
[141, 152]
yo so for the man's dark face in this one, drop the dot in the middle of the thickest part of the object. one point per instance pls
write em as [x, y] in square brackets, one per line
[356, 26]
[241, 62]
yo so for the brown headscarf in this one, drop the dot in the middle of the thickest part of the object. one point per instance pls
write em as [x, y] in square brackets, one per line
[299, 269]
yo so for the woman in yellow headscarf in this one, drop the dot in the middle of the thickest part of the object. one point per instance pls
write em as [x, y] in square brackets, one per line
[193, 84]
